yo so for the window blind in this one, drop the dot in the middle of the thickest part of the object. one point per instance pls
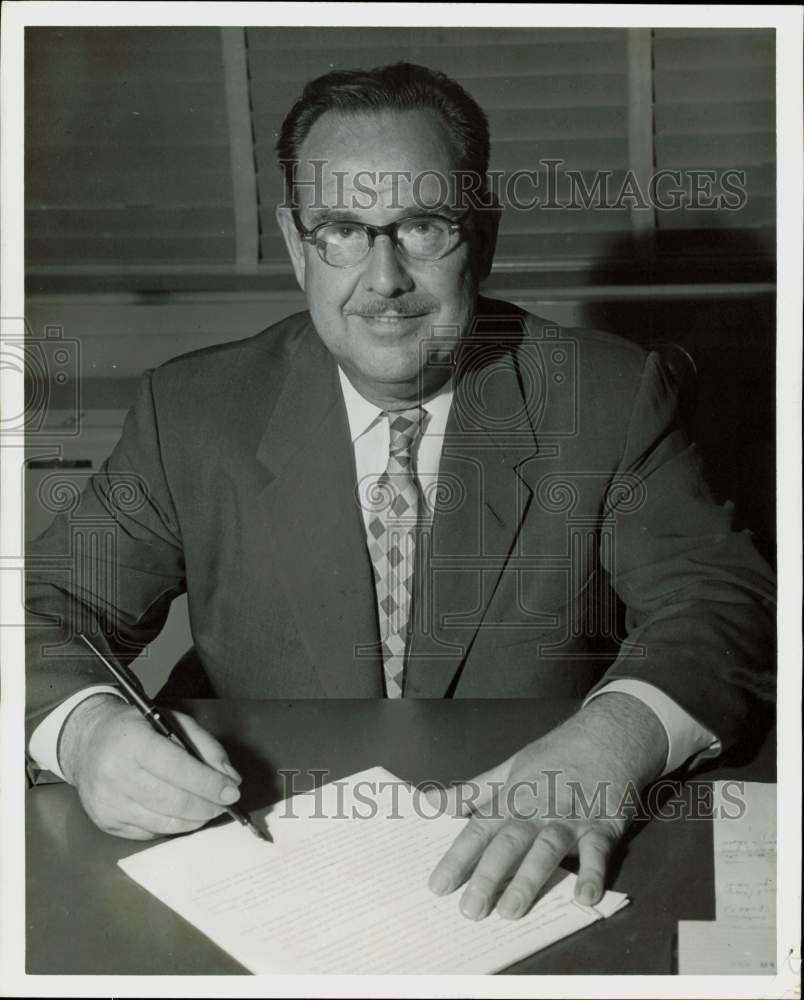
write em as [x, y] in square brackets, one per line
[714, 111]
[550, 94]
[126, 143]
[130, 180]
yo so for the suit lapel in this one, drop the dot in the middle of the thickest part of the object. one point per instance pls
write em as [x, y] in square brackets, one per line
[474, 532]
[316, 534]
[315, 526]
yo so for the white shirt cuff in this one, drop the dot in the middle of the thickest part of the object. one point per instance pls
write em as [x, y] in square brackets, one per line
[44, 742]
[685, 737]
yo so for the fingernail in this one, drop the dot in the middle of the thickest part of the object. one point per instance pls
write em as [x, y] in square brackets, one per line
[440, 883]
[587, 893]
[512, 905]
[229, 794]
[228, 769]
[474, 903]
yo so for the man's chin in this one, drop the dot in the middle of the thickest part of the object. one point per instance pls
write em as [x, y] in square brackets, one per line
[401, 358]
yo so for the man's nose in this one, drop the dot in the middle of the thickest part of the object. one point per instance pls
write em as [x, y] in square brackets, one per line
[385, 272]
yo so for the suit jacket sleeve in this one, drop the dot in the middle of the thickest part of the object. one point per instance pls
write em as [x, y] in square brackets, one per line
[110, 566]
[699, 597]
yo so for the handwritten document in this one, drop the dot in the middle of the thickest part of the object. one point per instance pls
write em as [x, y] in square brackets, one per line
[343, 889]
[745, 858]
[742, 939]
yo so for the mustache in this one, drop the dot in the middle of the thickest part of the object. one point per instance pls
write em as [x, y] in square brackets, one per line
[398, 307]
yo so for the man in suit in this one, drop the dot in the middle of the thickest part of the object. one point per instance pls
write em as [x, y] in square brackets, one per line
[408, 491]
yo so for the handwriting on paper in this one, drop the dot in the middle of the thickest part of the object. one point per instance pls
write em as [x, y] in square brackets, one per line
[745, 859]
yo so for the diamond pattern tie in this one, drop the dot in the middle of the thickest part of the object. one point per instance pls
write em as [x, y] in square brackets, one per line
[392, 543]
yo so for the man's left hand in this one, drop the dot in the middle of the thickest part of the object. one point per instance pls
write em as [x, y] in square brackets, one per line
[567, 793]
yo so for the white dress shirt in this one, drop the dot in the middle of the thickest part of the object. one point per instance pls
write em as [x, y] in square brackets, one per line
[371, 442]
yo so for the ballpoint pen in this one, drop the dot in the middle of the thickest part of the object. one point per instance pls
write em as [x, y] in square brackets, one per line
[135, 696]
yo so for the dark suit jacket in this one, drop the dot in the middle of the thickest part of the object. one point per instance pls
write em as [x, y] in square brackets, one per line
[562, 474]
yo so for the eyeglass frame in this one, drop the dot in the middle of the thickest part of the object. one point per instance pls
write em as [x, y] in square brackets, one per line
[372, 232]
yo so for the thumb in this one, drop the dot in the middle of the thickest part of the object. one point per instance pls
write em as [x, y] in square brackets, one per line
[210, 749]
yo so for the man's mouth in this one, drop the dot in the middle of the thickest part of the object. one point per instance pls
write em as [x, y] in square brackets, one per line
[392, 314]
[391, 317]
[392, 323]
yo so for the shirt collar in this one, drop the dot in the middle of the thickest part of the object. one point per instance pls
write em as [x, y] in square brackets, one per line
[362, 414]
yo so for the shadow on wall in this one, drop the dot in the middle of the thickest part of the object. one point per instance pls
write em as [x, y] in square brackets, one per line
[732, 340]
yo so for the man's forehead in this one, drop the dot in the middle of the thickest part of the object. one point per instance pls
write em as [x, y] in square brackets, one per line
[390, 159]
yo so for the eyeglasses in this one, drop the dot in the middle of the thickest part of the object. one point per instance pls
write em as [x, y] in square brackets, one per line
[344, 244]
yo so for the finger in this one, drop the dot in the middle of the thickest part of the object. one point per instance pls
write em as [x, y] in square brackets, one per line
[125, 816]
[499, 861]
[121, 817]
[165, 798]
[128, 831]
[594, 851]
[457, 864]
[138, 817]
[107, 817]
[210, 749]
[131, 831]
[164, 759]
[553, 843]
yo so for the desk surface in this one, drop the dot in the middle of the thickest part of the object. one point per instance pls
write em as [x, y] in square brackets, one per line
[85, 916]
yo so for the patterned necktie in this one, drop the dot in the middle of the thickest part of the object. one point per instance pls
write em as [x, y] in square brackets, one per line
[392, 543]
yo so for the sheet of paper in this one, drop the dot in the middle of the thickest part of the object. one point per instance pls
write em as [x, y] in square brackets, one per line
[343, 889]
[710, 948]
[745, 854]
[742, 939]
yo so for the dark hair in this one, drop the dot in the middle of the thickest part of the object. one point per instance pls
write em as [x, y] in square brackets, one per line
[400, 87]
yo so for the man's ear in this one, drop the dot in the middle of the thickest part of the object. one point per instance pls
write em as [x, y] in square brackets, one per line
[487, 223]
[292, 241]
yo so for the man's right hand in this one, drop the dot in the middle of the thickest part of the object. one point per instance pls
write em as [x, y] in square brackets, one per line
[135, 783]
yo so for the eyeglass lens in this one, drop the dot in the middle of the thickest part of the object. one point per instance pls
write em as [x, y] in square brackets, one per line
[345, 243]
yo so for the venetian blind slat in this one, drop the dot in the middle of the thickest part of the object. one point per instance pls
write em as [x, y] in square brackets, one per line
[714, 111]
[550, 94]
[127, 159]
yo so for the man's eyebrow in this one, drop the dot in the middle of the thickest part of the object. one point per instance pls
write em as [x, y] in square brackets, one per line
[321, 215]
[318, 215]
